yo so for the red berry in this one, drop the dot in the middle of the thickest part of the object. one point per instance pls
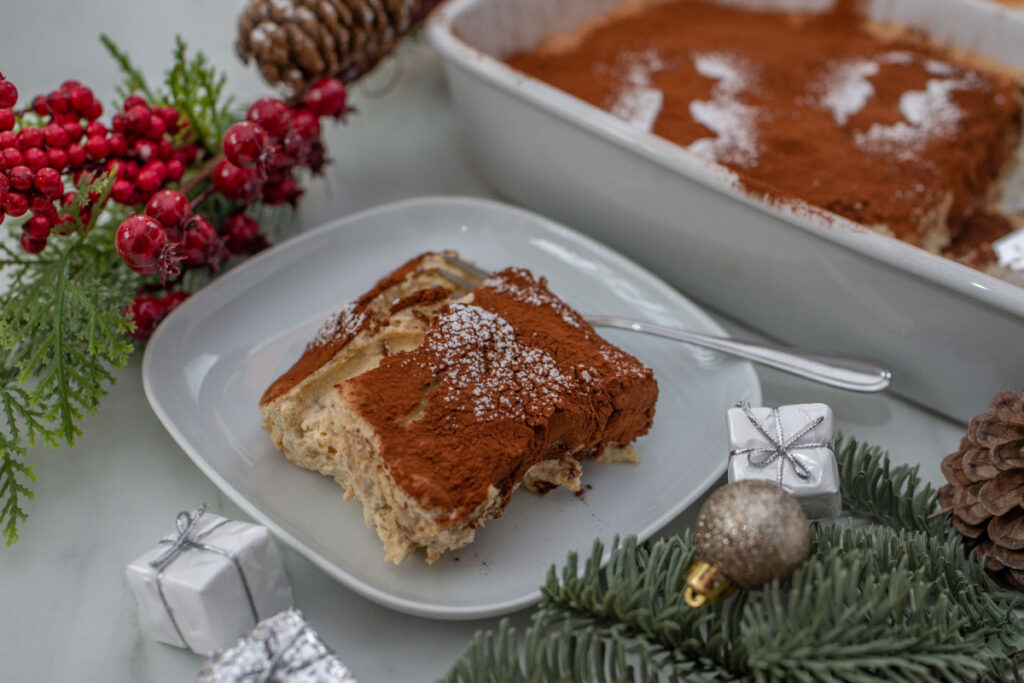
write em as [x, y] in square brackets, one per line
[5, 183]
[39, 105]
[244, 142]
[272, 115]
[21, 177]
[40, 204]
[97, 147]
[35, 158]
[231, 181]
[137, 118]
[69, 84]
[175, 170]
[123, 191]
[148, 181]
[157, 127]
[146, 150]
[29, 138]
[8, 139]
[37, 227]
[8, 95]
[119, 123]
[81, 98]
[59, 102]
[171, 117]
[139, 240]
[48, 181]
[170, 208]
[190, 152]
[13, 157]
[158, 167]
[172, 300]
[133, 101]
[7, 119]
[30, 244]
[244, 235]
[95, 128]
[57, 158]
[146, 312]
[56, 136]
[16, 204]
[94, 112]
[199, 243]
[326, 97]
[118, 145]
[284, 191]
[74, 131]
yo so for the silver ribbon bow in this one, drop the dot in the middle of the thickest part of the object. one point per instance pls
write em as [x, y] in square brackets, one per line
[781, 448]
[188, 538]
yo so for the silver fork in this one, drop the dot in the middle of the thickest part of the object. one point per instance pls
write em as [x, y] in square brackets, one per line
[841, 371]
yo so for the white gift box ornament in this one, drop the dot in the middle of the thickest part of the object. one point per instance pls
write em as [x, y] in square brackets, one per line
[791, 445]
[209, 583]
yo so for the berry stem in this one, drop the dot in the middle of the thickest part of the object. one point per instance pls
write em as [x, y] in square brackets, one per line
[200, 176]
[203, 196]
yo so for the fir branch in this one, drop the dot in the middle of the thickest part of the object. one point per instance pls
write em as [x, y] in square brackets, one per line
[134, 80]
[905, 603]
[891, 495]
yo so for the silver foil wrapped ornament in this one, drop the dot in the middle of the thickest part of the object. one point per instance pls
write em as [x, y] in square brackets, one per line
[208, 583]
[792, 446]
[281, 649]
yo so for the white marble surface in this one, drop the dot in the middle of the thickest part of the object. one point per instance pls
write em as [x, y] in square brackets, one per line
[67, 612]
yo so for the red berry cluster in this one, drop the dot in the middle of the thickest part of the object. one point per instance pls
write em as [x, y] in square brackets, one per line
[33, 160]
[140, 148]
[263, 151]
[146, 311]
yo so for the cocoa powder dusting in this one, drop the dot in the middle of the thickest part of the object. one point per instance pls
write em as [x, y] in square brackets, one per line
[510, 379]
[339, 329]
[892, 132]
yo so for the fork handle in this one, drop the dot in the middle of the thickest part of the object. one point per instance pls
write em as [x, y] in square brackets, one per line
[844, 372]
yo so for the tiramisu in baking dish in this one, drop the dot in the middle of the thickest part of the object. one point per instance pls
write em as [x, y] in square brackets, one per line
[432, 405]
[874, 123]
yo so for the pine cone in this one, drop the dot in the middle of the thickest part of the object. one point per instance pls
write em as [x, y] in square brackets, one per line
[296, 42]
[986, 487]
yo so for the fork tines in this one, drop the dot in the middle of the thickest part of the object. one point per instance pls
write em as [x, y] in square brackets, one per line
[470, 268]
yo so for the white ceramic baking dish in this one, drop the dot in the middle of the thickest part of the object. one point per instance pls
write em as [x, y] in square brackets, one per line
[953, 336]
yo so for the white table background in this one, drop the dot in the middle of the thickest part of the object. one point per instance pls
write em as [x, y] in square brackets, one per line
[65, 610]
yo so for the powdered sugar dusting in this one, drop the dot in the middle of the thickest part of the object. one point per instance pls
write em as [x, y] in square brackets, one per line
[343, 324]
[848, 88]
[534, 296]
[483, 362]
[928, 114]
[638, 102]
[732, 121]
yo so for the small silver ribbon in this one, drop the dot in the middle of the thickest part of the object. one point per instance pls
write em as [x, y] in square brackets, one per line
[781, 448]
[187, 524]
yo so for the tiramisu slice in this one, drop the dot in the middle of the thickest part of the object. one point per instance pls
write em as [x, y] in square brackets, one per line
[432, 405]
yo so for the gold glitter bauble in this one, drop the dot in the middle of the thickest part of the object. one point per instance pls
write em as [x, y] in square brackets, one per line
[752, 532]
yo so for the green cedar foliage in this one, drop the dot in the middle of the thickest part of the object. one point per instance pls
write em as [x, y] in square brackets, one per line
[898, 601]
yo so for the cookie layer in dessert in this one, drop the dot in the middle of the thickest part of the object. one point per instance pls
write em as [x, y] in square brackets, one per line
[432, 405]
[870, 122]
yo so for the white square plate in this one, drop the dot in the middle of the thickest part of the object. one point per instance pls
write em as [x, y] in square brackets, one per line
[208, 363]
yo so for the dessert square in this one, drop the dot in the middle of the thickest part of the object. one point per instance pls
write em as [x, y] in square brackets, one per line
[432, 405]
